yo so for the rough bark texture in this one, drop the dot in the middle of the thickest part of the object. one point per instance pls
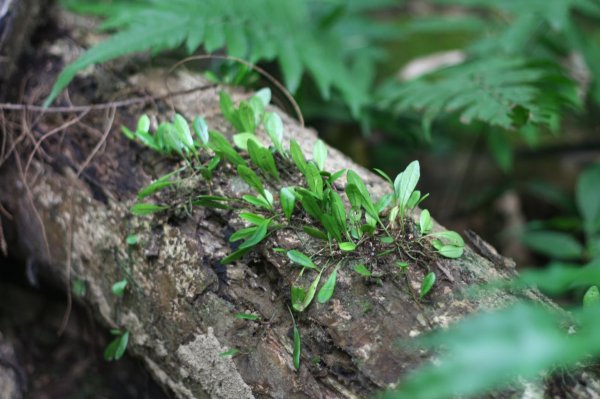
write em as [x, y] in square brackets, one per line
[179, 307]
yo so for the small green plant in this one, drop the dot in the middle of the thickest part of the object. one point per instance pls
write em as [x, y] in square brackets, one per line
[341, 220]
[116, 348]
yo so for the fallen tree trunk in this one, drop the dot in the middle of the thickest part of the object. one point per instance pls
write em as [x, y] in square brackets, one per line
[68, 181]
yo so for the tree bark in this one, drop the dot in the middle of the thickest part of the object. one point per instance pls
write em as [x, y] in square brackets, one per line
[67, 215]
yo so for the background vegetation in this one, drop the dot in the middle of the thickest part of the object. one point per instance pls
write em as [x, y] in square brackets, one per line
[503, 122]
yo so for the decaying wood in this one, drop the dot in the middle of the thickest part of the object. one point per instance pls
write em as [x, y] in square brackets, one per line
[180, 303]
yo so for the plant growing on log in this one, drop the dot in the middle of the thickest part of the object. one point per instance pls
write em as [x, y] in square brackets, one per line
[314, 205]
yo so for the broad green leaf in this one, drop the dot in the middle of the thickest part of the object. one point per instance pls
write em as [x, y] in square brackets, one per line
[211, 201]
[246, 116]
[405, 183]
[427, 284]
[227, 108]
[588, 198]
[222, 147]
[301, 259]
[257, 201]
[235, 256]
[252, 218]
[553, 244]
[591, 296]
[251, 179]
[326, 291]
[338, 209]
[143, 124]
[362, 270]
[314, 180]
[201, 129]
[347, 246]
[336, 176]
[118, 288]
[142, 209]
[387, 240]
[246, 316]
[297, 296]
[116, 349]
[402, 265]
[331, 226]
[310, 205]
[315, 233]
[287, 200]
[414, 199]
[183, 130]
[274, 129]
[263, 158]
[320, 154]
[259, 234]
[449, 251]
[425, 222]
[242, 234]
[241, 140]
[264, 95]
[449, 237]
[297, 156]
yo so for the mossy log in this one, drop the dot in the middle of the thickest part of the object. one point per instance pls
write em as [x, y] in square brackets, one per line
[66, 215]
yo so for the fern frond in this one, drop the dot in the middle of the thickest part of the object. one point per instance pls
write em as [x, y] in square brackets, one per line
[508, 93]
[300, 34]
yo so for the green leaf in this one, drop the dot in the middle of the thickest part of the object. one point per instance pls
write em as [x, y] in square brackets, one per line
[310, 205]
[287, 200]
[339, 211]
[591, 296]
[362, 270]
[588, 198]
[347, 246]
[183, 131]
[143, 209]
[331, 226]
[274, 129]
[425, 222]
[201, 129]
[315, 233]
[263, 158]
[402, 265]
[251, 179]
[228, 109]
[297, 346]
[427, 284]
[405, 184]
[257, 201]
[242, 234]
[301, 259]
[336, 176]
[235, 256]
[449, 237]
[264, 95]
[210, 201]
[448, 251]
[297, 156]
[221, 146]
[310, 294]
[259, 234]
[241, 140]
[320, 154]
[326, 291]
[154, 187]
[553, 244]
[143, 124]
[116, 349]
[118, 288]
[230, 352]
[132, 239]
[252, 217]
[314, 180]
[247, 316]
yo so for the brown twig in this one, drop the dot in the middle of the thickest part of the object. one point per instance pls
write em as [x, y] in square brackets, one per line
[111, 119]
[101, 106]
